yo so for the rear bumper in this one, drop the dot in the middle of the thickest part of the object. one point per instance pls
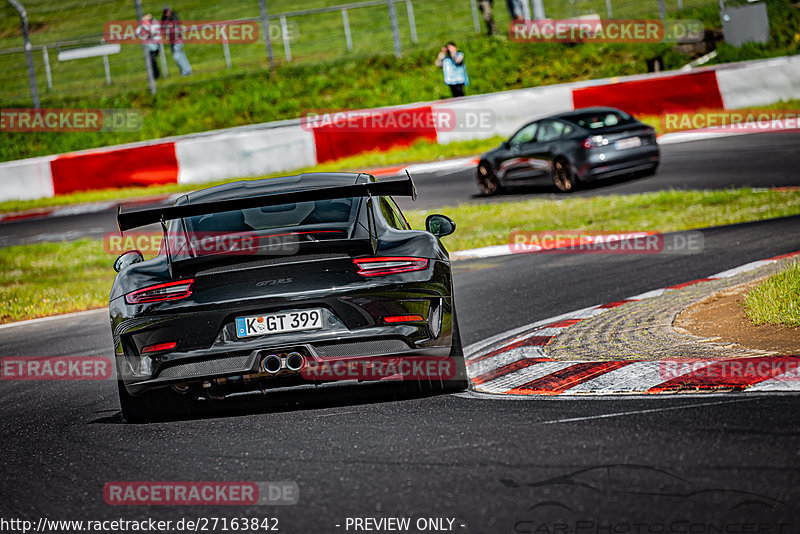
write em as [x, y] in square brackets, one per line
[618, 163]
[243, 369]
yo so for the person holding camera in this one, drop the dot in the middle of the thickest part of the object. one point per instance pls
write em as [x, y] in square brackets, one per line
[451, 59]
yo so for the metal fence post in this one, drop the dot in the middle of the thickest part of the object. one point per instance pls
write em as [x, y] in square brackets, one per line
[662, 10]
[163, 54]
[609, 13]
[267, 37]
[107, 69]
[346, 23]
[476, 24]
[287, 48]
[151, 82]
[23, 16]
[412, 22]
[226, 51]
[47, 72]
[395, 27]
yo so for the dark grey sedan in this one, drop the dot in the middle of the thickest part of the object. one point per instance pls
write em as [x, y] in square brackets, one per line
[570, 148]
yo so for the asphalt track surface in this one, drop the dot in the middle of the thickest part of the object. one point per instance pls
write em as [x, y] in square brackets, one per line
[668, 463]
[752, 160]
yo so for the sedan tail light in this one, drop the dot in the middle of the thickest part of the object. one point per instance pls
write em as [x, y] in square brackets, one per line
[595, 141]
[389, 265]
[157, 293]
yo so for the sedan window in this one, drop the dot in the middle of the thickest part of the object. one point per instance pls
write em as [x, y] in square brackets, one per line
[525, 135]
[552, 130]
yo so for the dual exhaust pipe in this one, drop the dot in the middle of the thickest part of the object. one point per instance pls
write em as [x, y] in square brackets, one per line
[273, 364]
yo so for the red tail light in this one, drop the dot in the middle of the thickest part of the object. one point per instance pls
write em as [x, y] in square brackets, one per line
[403, 318]
[595, 141]
[157, 293]
[159, 347]
[390, 265]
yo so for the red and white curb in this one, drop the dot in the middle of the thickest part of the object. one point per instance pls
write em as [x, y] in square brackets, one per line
[515, 362]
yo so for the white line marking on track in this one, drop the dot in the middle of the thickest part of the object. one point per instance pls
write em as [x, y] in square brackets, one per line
[741, 269]
[637, 412]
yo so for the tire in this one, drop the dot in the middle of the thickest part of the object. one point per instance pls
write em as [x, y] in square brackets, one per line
[487, 180]
[563, 177]
[460, 381]
[152, 405]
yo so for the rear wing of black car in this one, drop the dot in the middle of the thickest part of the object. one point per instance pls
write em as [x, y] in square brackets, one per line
[136, 219]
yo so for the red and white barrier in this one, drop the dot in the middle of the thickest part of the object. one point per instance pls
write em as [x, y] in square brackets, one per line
[290, 145]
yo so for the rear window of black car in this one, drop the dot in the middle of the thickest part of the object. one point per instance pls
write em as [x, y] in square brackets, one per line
[337, 211]
[601, 119]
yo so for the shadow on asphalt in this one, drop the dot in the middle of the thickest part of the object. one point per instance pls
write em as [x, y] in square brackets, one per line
[331, 396]
[588, 188]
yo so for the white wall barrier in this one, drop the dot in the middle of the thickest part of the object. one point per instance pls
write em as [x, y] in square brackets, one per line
[248, 153]
[508, 110]
[758, 83]
[26, 179]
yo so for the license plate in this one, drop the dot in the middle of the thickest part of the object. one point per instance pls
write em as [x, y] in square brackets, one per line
[278, 323]
[631, 142]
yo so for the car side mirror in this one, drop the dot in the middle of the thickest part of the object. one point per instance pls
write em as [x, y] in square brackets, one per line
[505, 144]
[127, 258]
[440, 225]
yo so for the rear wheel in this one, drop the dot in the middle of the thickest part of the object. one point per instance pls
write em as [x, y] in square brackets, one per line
[563, 177]
[460, 380]
[487, 180]
[152, 405]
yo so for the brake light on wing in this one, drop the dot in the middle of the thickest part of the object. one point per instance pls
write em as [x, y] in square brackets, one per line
[159, 292]
[389, 265]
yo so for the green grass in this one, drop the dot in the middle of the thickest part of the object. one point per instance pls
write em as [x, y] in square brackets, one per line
[323, 77]
[776, 300]
[52, 278]
[417, 152]
[665, 211]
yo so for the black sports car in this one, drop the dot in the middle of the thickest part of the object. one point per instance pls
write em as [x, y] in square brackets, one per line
[570, 148]
[314, 271]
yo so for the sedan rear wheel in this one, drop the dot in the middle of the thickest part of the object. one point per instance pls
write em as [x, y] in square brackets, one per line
[487, 180]
[563, 178]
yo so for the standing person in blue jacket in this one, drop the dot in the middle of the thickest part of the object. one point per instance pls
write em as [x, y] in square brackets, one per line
[451, 59]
